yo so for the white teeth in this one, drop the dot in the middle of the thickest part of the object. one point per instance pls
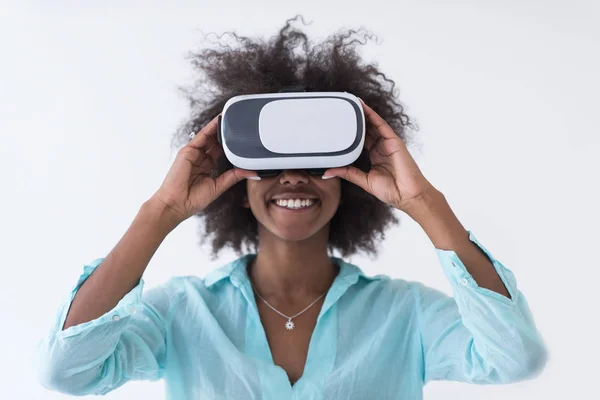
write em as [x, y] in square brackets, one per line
[294, 203]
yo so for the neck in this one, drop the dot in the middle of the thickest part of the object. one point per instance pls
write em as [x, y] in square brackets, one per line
[292, 271]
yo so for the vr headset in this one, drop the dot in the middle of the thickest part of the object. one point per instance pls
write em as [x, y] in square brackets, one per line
[292, 129]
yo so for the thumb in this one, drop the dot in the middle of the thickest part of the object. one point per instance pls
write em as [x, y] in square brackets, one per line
[230, 177]
[349, 173]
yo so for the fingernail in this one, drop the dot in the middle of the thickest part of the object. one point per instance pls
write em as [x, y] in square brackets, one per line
[327, 177]
[254, 178]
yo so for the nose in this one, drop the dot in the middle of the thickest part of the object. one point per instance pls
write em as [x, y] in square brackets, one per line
[293, 176]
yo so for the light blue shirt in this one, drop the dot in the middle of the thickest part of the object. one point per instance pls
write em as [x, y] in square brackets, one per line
[375, 338]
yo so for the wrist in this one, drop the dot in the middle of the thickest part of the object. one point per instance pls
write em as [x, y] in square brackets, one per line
[160, 214]
[423, 206]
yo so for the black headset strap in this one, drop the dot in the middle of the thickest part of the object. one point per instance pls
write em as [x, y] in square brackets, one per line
[293, 88]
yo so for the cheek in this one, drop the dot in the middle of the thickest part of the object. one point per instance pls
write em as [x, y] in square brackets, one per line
[255, 197]
[333, 192]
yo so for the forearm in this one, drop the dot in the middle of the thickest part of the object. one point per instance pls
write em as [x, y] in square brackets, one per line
[433, 213]
[123, 267]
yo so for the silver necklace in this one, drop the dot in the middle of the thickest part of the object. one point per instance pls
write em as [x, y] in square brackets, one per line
[289, 325]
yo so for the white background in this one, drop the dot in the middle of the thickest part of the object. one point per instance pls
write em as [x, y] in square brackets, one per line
[505, 94]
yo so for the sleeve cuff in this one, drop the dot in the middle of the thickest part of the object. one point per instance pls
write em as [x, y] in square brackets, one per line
[127, 306]
[460, 278]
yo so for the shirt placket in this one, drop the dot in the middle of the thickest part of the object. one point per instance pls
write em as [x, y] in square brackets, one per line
[322, 348]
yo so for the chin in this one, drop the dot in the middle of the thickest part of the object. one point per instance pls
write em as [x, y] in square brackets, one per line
[293, 235]
[294, 226]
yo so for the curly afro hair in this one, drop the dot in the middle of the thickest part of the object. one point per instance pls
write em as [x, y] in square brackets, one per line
[288, 59]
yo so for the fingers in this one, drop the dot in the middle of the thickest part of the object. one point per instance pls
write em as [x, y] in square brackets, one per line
[370, 141]
[380, 126]
[215, 151]
[206, 136]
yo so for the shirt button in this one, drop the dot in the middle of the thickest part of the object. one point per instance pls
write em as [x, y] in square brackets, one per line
[133, 310]
[116, 318]
[464, 281]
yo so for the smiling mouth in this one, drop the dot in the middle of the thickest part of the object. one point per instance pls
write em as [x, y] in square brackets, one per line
[295, 206]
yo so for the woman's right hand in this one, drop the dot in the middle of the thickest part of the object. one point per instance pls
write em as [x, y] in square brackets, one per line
[188, 187]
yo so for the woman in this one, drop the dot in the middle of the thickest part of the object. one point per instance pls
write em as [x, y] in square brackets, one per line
[289, 319]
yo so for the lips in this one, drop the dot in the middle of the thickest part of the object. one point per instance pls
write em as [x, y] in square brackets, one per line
[301, 196]
[314, 204]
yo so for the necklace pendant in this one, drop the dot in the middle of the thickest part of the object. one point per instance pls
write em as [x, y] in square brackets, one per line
[289, 325]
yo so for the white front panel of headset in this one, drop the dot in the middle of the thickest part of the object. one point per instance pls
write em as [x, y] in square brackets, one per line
[307, 125]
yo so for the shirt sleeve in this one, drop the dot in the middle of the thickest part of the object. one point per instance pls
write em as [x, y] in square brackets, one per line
[98, 356]
[479, 336]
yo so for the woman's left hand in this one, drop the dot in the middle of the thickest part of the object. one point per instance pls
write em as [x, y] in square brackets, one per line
[394, 177]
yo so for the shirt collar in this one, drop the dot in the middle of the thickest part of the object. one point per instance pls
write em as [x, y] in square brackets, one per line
[237, 273]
